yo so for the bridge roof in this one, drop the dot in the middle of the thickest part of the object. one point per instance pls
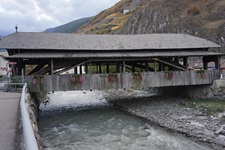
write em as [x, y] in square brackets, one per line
[124, 54]
[62, 41]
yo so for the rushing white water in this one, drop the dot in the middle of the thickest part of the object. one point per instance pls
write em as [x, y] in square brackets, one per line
[85, 121]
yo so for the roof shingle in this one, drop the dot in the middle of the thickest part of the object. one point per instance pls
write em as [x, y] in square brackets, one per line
[62, 41]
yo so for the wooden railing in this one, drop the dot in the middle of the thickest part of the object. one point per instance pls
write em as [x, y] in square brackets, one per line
[119, 81]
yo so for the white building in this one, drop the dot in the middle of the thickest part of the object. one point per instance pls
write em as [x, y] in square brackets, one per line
[3, 63]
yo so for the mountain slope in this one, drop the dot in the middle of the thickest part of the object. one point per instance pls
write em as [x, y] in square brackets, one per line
[202, 18]
[69, 27]
[112, 19]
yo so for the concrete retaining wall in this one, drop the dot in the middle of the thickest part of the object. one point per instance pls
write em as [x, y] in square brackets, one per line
[215, 90]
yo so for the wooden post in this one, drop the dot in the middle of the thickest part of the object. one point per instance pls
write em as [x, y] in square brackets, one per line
[124, 67]
[185, 62]
[75, 70]
[176, 60]
[97, 68]
[100, 68]
[155, 66]
[205, 65]
[20, 66]
[205, 62]
[107, 67]
[23, 68]
[117, 67]
[217, 63]
[81, 69]
[52, 67]
[160, 66]
[133, 68]
[90, 68]
[146, 67]
[86, 68]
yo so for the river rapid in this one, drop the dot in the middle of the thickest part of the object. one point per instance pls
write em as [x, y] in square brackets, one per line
[83, 120]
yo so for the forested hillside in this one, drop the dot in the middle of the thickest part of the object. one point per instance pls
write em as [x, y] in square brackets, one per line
[69, 27]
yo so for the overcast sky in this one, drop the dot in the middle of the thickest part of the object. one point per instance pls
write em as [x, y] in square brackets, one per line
[38, 15]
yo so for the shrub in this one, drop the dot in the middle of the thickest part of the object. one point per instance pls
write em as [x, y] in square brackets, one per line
[208, 106]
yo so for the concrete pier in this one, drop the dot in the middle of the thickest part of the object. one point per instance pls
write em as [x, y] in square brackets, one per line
[9, 115]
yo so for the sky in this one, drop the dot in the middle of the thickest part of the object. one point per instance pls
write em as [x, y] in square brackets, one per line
[38, 15]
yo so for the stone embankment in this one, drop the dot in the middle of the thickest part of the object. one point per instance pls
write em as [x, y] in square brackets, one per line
[33, 109]
[174, 113]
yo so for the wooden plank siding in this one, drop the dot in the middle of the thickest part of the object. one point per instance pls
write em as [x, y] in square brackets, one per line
[127, 80]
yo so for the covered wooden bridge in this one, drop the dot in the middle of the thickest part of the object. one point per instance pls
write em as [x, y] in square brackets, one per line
[109, 61]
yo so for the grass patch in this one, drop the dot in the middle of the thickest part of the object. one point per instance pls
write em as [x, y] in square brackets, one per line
[115, 28]
[209, 106]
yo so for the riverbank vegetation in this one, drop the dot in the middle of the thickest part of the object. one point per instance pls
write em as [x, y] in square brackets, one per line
[209, 106]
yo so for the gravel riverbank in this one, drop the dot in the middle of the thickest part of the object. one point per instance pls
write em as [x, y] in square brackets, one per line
[173, 113]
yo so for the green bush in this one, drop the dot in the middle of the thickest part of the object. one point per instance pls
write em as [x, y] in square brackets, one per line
[209, 106]
[16, 80]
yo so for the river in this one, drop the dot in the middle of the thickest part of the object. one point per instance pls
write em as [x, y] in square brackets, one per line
[85, 121]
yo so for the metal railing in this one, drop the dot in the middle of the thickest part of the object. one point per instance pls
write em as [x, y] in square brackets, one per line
[28, 132]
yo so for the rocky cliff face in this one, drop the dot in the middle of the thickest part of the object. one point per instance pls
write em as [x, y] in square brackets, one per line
[202, 18]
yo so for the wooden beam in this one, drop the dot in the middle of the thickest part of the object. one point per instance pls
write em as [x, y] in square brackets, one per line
[61, 64]
[64, 70]
[37, 68]
[170, 64]
[138, 65]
